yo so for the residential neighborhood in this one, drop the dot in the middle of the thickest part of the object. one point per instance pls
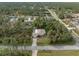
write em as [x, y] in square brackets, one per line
[39, 29]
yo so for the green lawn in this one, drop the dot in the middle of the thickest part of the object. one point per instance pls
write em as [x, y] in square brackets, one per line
[46, 41]
[59, 53]
[43, 41]
[9, 52]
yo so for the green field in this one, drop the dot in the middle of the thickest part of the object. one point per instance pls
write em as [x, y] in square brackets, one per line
[44, 41]
[15, 52]
[59, 53]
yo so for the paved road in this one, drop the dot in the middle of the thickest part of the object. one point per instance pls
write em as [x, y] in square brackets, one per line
[36, 48]
[58, 47]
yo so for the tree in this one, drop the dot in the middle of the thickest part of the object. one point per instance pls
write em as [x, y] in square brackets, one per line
[39, 23]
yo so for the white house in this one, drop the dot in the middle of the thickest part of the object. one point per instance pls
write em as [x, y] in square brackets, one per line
[38, 32]
[76, 15]
[29, 19]
[13, 19]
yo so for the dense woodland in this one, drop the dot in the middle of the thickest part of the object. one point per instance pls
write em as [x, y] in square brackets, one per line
[22, 8]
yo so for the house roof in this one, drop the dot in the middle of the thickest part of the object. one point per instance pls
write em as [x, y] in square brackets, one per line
[75, 15]
[40, 32]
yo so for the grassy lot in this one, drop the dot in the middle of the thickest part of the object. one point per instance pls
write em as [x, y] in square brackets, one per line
[59, 53]
[46, 41]
[15, 52]
[43, 41]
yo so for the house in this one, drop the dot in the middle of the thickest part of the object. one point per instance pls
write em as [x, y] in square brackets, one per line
[28, 20]
[38, 32]
[13, 19]
[76, 15]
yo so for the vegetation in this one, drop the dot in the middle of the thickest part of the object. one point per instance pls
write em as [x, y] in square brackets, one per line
[19, 32]
[16, 34]
[76, 30]
[56, 33]
[43, 41]
[30, 8]
[9, 52]
[59, 53]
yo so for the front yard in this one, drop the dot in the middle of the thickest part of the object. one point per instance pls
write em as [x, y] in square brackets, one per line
[58, 53]
[15, 52]
[44, 41]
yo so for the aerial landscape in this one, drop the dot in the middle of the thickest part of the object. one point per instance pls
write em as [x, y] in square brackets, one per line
[39, 29]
